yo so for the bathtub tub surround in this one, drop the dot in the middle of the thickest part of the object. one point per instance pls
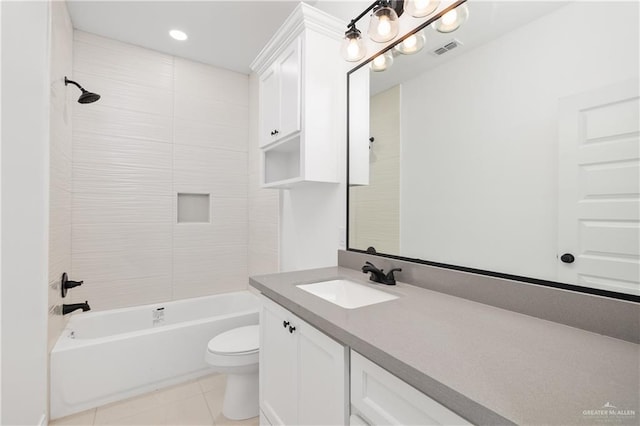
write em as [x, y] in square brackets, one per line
[235, 353]
[485, 364]
[107, 356]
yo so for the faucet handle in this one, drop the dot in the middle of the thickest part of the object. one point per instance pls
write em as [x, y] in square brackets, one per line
[390, 278]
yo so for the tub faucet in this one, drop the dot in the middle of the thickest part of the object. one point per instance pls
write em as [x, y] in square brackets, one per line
[378, 275]
[67, 309]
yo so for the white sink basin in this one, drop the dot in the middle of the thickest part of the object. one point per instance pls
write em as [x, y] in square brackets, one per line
[347, 294]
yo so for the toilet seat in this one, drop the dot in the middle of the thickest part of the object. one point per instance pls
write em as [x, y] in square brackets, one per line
[239, 341]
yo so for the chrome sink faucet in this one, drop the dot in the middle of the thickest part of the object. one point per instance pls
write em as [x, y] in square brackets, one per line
[378, 275]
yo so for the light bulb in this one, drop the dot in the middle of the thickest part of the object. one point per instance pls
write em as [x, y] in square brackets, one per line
[450, 17]
[384, 26]
[412, 44]
[381, 62]
[452, 20]
[353, 48]
[420, 8]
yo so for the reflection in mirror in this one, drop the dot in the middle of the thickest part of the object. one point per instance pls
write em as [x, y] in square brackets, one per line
[507, 144]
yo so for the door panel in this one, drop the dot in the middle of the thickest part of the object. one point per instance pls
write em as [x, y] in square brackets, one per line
[599, 181]
[290, 71]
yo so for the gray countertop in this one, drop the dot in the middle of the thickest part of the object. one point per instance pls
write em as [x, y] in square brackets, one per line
[487, 364]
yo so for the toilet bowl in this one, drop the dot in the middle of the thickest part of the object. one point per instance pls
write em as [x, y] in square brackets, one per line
[235, 353]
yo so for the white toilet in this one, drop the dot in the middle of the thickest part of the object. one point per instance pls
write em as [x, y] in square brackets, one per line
[235, 353]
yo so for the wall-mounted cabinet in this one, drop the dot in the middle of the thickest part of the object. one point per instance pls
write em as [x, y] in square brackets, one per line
[280, 96]
[302, 100]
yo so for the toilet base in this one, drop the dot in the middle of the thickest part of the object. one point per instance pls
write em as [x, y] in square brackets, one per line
[241, 396]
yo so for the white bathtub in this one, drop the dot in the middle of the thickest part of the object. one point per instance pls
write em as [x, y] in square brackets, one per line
[107, 356]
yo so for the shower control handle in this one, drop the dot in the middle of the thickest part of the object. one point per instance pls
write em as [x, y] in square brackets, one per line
[291, 329]
[66, 284]
[285, 324]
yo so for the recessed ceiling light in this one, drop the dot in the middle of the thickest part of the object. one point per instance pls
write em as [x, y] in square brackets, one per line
[178, 35]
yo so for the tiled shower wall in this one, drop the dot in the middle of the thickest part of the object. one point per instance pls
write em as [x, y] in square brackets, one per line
[163, 126]
[61, 61]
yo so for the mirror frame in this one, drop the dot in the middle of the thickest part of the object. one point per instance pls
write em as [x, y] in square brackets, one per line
[495, 274]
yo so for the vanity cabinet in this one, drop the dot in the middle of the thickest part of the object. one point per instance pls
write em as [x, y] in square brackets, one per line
[303, 372]
[302, 100]
[380, 398]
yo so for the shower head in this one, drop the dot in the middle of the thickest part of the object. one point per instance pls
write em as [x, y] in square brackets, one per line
[86, 97]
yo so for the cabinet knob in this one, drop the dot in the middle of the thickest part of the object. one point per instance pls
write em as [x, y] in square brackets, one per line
[567, 258]
[285, 324]
[274, 132]
[291, 329]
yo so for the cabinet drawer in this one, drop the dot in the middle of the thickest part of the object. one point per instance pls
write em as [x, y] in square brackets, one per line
[381, 398]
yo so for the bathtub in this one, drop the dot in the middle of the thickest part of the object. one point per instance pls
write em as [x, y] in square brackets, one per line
[102, 357]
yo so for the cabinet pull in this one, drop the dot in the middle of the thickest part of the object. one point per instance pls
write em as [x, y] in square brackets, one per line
[285, 324]
[291, 329]
[275, 132]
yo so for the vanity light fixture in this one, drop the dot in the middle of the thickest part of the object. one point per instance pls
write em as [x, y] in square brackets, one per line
[353, 48]
[412, 44]
[178, 35]
[452, 20]
[382, 62]
[383, 25]
[420, 8]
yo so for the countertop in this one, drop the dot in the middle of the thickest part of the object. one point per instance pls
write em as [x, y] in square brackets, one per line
[489, 365]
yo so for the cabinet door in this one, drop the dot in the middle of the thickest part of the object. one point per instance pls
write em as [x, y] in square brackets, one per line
[322, 386]
[269, 106]
[289, 66]
[383, 399]
[278, 366]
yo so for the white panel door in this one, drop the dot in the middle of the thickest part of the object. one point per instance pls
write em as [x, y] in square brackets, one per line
[278, 365]
[269, 106]
[322, 380]
[599, 188]
[290, 73]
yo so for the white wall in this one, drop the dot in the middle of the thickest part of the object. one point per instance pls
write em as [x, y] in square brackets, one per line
[163, 125]
[25, 210]
[374, 209]
[480, 188]
[62, 99]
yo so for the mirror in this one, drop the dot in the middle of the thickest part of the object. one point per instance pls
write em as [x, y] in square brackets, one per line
[508, 146]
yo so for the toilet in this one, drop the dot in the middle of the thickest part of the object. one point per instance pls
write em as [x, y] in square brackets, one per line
[235, 353]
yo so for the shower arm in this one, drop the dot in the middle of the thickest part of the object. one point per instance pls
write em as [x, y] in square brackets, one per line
[67, 82]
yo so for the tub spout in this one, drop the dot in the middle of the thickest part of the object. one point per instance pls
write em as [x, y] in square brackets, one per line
[67, 309]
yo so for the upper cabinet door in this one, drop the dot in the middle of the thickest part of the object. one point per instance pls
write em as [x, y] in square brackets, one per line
[269, 106]
[289, 65]
[280, 96]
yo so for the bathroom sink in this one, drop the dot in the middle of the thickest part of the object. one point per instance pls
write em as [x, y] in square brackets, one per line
[347, 294]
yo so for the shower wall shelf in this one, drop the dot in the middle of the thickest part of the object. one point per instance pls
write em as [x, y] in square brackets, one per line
[302, 106]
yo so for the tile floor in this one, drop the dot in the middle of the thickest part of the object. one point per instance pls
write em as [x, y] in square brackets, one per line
[197, 402]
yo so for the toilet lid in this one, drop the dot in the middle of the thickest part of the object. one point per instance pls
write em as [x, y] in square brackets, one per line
[237, 341]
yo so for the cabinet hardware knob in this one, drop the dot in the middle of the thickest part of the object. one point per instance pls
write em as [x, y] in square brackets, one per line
[567, 258]
[285, 324]
[291, 329]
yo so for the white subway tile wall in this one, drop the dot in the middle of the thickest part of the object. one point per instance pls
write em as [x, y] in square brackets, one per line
[163, 126]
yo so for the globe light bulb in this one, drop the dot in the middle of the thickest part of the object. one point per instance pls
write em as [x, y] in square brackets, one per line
[452, 20]
[410, 42]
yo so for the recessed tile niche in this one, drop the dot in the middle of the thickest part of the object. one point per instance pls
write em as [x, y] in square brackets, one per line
[193, 208]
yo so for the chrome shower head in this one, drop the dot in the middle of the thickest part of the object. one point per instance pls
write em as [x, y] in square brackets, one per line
[86, 97]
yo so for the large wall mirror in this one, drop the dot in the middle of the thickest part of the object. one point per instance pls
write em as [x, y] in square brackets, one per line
[509, 146]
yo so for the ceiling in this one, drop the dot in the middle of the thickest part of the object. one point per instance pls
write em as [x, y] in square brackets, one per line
[227, 34]
[487, 21]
